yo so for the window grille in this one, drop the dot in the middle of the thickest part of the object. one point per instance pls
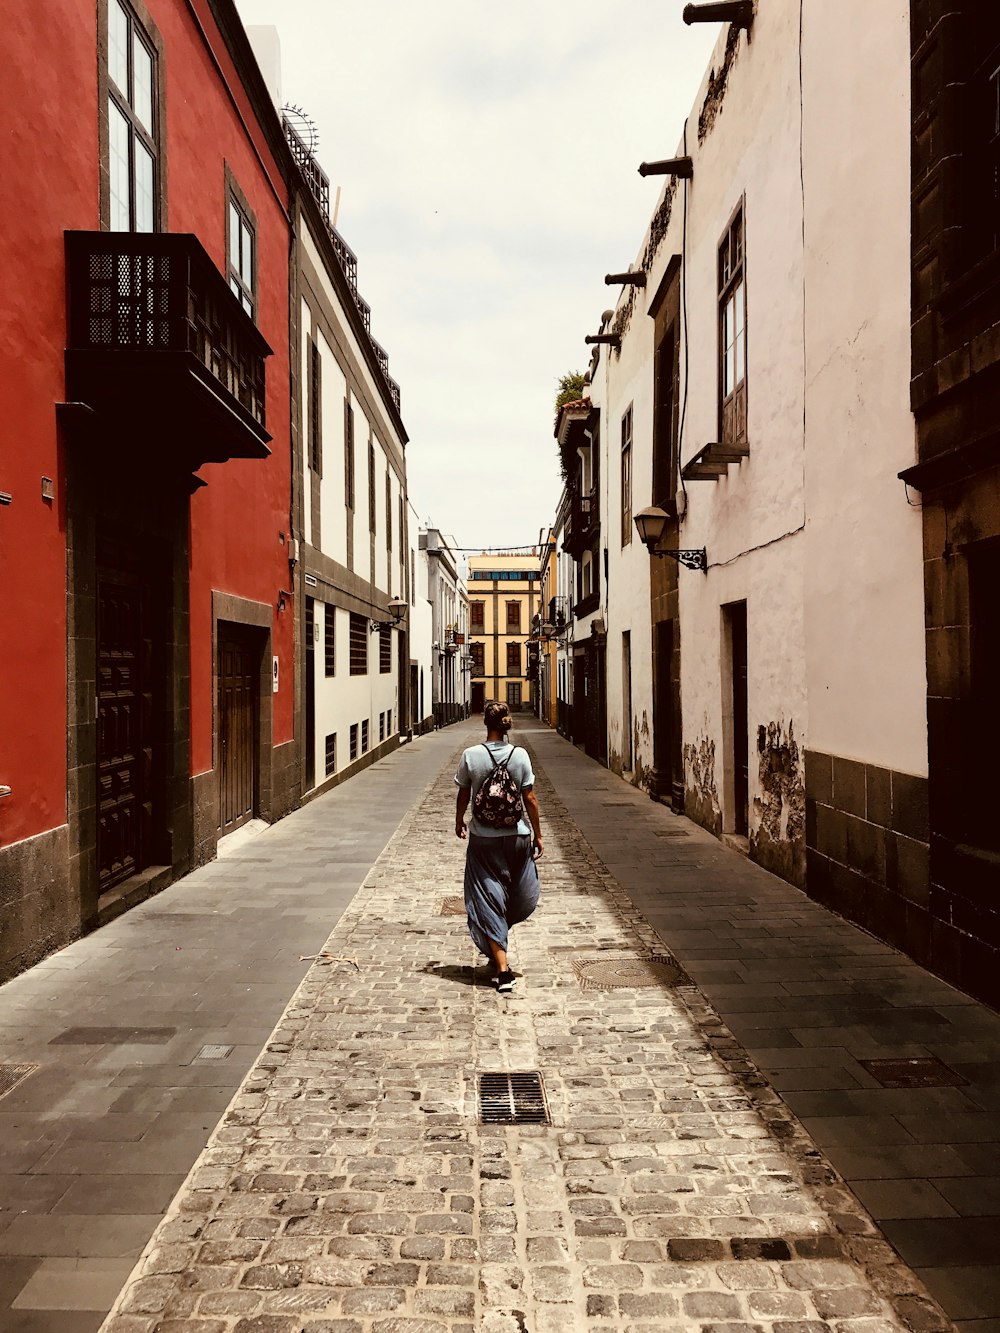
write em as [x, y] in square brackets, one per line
[331, 753]
[359, 645]
[364, 737]
[330, 640]
[384, 649]
[354, 740]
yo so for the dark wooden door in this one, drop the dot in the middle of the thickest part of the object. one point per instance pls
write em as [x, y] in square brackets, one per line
[239, 674]
[664, 710]
[741, 742]
[124, 752]
[478, 696]
[310, 724]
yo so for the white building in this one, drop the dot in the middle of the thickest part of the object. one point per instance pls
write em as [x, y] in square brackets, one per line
[449, 628]
[355, 567]
[759, 399]
[421, 716]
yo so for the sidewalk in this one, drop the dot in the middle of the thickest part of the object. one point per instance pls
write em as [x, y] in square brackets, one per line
[95, 1143]
[350, 1189]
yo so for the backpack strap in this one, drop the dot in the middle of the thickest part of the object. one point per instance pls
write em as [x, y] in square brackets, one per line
[490, 753]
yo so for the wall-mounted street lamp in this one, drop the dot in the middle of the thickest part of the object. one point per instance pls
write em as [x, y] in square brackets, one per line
[396, 609]
[629, 279]
[681, 167]
[650, 524]
[737, 12]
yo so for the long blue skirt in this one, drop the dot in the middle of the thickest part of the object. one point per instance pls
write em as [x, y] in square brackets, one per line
[501, 887]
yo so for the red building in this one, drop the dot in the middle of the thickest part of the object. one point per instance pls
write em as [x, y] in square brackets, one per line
[146, 633]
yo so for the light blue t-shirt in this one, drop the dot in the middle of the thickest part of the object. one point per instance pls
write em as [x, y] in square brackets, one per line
[475, 767]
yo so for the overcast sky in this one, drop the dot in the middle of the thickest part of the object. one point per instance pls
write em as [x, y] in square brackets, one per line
[487, 160]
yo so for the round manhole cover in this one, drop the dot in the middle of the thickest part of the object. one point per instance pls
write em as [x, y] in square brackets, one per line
[612, 973]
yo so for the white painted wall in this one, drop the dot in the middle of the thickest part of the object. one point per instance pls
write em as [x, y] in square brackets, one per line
[343, 699]
[813, 530]
[864, 611]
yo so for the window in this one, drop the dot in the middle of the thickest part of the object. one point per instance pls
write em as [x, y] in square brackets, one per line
[364, 737]
[348, 454]
[413, 578]
[330, 640]
[666, 394]
[371, 487]
[359, 645]
[132, 124]
[331, 753]
[478, 659]
[381, 726]
[627, 477]
[477, 617]
[354, 740]
[388, 510]
[385, 649]
[240, 249]
[315, 408]
[732, 336]
[310, 623]
[388, 721]
[514, 694]
[514, 617]
[513, 659]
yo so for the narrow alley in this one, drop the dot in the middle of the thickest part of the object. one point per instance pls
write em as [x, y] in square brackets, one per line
[253, 1103]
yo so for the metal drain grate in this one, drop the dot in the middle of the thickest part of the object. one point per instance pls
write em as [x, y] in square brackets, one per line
[452, 907]
[512, 1099]
[927, 1072]
[629, 973]
[214, 1053]
[12, 1075]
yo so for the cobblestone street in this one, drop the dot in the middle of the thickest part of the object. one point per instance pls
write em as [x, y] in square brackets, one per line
[350, 1187]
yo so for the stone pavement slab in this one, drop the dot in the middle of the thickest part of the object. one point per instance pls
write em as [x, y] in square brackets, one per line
[353, 1187]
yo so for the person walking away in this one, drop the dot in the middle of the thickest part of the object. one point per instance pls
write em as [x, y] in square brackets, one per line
[501, 874]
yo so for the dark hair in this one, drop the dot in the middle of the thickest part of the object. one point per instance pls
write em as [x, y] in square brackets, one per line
[496, 715]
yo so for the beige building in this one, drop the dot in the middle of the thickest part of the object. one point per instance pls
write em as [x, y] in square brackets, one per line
[504, 596]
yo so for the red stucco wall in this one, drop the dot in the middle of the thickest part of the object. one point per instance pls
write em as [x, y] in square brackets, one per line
[49, 164]
[237, 518]
[49, 169]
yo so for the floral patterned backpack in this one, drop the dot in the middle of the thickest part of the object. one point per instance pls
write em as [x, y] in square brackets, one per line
[498, 803]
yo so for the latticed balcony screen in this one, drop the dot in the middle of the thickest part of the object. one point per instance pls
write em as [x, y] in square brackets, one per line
[160, 292]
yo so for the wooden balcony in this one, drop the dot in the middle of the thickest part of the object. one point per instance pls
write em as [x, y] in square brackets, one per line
[161, 350]
[584, 524]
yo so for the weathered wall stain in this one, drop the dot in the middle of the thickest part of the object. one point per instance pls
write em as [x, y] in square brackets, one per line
[701, 799]
[718, 79]
[657, 231]
[777, 832]
[641, 744]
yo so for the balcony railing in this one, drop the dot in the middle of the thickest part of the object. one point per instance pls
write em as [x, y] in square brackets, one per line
[159, 301]
[319, 186]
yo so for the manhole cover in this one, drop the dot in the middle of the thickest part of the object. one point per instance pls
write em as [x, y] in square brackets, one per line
[114, 1037]
[926, 1072]
[12, 1075]
[214, 1053]
[452, 907]
[512, 1099]
[631, 973]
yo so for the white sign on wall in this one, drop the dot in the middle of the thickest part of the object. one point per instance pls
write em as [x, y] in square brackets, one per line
[274, 675]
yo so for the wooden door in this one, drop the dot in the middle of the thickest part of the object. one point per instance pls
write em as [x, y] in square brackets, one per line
[239, 676]
[124, 751]
[741, 740]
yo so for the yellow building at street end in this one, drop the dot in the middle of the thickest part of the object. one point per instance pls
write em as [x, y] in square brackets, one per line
[504, 598]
